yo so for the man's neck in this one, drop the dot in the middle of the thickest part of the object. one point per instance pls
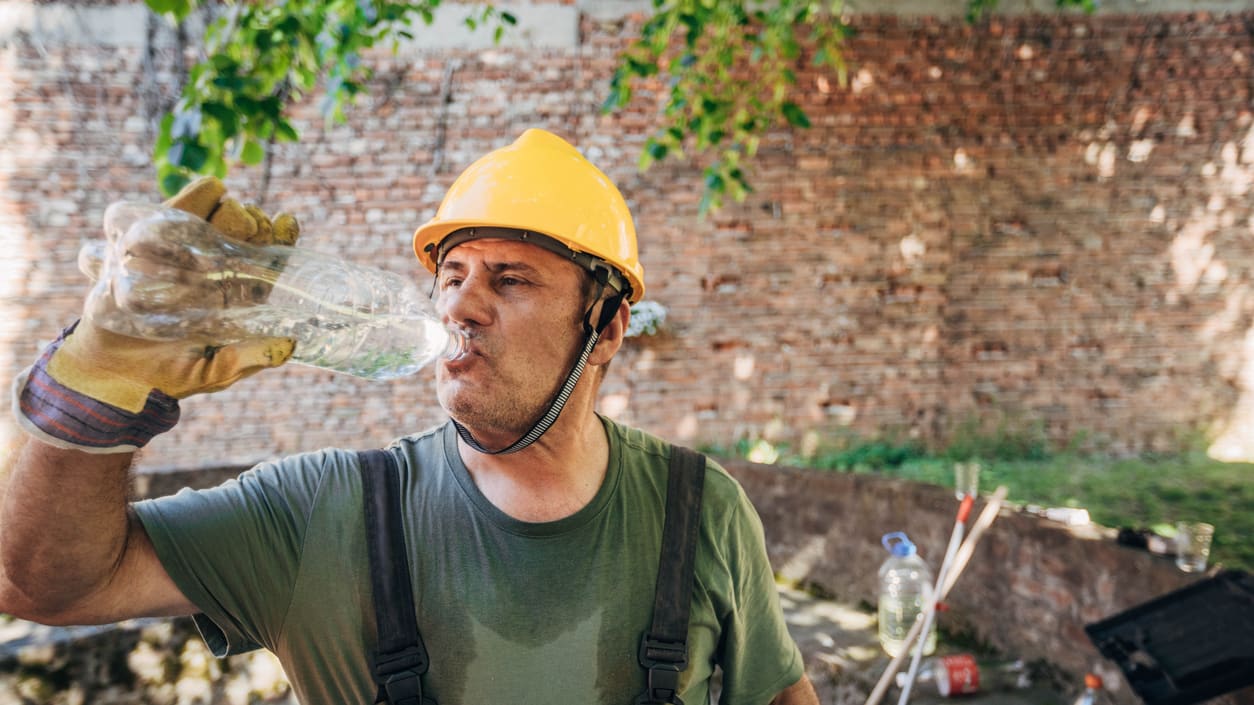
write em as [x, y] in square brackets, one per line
[552, 478]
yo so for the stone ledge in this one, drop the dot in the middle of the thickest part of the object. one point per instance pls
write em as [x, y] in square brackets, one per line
[1031, 585]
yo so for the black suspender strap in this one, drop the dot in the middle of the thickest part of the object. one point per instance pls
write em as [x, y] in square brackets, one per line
[664, 648]
[401, 658]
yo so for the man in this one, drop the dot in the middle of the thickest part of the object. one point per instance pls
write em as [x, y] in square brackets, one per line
[533, 525]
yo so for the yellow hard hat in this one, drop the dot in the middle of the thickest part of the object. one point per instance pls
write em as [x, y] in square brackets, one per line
[539, 184]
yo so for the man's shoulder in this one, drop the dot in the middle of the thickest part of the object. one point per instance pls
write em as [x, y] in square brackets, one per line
[333, 470]
[428, 440]
[634, 441]
[640, 446]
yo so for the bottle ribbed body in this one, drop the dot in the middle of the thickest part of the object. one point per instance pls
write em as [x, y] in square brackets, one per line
[350, 318]
[905, 587]
[165, 275]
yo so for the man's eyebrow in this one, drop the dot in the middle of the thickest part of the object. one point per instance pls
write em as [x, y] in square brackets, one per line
[494, 267]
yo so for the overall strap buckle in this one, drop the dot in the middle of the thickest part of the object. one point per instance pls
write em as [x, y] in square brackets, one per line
[663, 661]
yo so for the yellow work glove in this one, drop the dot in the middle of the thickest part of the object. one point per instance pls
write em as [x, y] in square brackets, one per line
[102, 392]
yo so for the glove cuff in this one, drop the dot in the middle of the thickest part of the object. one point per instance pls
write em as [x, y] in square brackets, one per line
[65, 418]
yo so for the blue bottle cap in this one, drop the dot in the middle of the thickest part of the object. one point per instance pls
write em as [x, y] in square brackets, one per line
[898, 544]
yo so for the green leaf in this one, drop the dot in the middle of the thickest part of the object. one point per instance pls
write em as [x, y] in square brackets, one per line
[272, 107]
[285, 131]
[640, 67]
[794, 115]
[189, 155]
[173, 182]
[224, 116]
[288, 25]
[163, 141]
[229, 83]
[694, 28]
[253, 153]
[177, 10]
[161, 6]
[214, 164]
[223, 63]
[620, 95]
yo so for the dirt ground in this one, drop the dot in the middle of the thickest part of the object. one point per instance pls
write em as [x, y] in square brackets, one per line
[844, 659]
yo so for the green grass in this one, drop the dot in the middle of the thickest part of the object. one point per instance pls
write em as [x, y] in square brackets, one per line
[1133, 492]
[1140, 492]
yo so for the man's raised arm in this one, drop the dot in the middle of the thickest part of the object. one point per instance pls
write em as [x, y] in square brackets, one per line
[71, 551]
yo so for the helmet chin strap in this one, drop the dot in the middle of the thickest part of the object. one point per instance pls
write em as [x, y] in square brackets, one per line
[546, 421]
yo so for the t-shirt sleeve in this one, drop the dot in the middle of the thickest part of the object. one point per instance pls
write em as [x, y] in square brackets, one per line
[758, 656]
[234, 550]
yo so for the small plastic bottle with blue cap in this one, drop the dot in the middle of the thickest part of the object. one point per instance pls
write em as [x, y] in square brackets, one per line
[905, 588]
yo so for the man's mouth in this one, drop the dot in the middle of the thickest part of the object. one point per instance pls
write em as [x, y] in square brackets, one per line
[470, 351]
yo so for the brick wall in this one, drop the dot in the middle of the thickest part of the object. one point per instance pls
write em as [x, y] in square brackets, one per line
[1041, 219]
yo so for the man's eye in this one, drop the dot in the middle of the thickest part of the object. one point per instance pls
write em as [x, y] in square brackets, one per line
[449, 282]
[511, 281]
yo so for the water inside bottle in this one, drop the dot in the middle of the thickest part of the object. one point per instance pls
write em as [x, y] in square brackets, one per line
[375, 347]
[897, 615]
[166, 275]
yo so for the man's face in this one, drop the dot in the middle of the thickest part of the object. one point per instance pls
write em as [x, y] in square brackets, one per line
[522, 308]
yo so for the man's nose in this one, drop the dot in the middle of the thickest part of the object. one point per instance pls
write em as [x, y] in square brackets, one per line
[467, 303]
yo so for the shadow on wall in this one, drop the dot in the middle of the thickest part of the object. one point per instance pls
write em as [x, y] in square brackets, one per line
[1197, 258]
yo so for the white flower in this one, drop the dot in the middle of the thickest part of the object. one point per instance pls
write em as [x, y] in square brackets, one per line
[646, 318]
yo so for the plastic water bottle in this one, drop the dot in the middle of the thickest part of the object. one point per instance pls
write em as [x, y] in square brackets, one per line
[905, 588]
[163, 274]
[963, 674]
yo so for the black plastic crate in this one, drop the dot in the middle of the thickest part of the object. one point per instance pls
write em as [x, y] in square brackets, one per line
[1186, 646]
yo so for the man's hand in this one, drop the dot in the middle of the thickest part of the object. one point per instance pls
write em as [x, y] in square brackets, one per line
[98, 391]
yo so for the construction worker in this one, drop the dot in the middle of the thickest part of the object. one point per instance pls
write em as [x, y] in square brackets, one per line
[533, 525]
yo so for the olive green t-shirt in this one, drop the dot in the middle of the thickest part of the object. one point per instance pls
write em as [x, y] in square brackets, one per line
[511, 612]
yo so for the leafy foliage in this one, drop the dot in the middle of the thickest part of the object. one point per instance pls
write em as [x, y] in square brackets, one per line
[730, 70]
[263, 56]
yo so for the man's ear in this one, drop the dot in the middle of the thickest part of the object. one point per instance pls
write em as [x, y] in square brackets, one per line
[612, 337]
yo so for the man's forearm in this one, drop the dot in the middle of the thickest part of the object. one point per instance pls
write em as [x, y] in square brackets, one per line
[63, 528]
[800, 693]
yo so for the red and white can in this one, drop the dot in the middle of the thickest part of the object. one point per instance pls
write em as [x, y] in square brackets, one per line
[958, 674]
